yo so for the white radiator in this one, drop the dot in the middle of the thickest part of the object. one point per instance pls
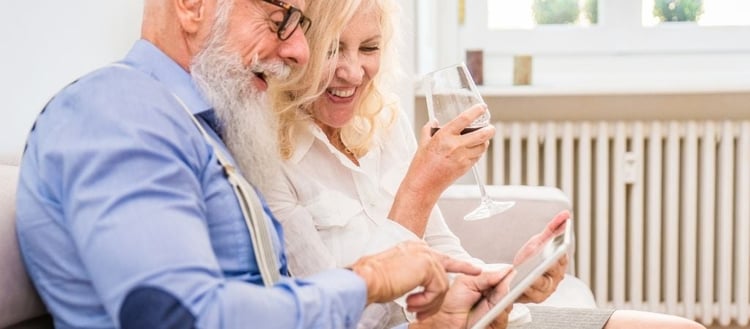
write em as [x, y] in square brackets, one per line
[662, 209]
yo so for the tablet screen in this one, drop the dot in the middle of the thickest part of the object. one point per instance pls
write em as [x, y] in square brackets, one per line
[529, 270]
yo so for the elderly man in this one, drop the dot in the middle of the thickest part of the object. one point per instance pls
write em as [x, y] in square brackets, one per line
[131, 213]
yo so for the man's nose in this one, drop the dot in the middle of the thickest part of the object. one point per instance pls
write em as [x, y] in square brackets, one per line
[295, 50]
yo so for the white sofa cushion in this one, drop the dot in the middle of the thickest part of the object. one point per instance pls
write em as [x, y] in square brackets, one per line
[10, 157]
[496, 239]
[18, 299]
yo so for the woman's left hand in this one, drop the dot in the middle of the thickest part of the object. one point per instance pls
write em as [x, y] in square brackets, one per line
[546, 284]
[543, 287]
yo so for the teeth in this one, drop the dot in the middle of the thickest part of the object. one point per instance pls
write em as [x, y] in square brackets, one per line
[342, 92]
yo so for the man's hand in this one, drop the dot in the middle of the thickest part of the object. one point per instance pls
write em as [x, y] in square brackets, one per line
[468, 299]
[397, 271]
[543, 287]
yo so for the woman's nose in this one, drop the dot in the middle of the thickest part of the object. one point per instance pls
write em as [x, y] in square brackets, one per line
[349, 69]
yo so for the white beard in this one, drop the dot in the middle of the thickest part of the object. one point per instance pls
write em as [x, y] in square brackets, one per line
[249, 126]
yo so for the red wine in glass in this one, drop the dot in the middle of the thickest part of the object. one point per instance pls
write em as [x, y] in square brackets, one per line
[448, 93]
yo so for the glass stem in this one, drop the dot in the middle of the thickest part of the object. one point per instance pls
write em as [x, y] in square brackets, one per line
[482, 191]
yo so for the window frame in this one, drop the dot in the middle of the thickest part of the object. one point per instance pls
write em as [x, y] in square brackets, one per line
[619, 32]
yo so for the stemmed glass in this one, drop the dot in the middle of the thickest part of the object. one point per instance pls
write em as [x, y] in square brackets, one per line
[449, 92]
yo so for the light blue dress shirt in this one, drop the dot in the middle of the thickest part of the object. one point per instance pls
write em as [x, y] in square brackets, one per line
[125, 218]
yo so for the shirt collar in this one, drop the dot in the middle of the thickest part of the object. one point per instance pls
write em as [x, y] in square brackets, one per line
[304, 138]
[146, 57]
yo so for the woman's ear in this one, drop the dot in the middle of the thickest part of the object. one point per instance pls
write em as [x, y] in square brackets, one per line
[191, 14]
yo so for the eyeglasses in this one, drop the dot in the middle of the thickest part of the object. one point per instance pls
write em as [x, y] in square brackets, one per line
[293, 18]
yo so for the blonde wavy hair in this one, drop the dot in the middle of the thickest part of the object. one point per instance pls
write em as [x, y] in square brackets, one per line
[293, 98]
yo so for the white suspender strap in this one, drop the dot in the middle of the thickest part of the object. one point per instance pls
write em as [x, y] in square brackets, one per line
[252, 209]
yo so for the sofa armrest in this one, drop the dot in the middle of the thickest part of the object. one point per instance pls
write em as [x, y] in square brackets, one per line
[10, 157]
[18, 298]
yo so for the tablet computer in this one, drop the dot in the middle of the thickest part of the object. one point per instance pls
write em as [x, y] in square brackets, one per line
[529, 270]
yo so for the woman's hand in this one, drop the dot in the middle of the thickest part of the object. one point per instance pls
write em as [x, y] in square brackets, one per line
[446, 155]
[468, 299]
[543, 287]
[440, 159]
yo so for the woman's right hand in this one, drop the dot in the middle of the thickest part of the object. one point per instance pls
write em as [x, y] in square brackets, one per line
[439, 160]
[446, 155]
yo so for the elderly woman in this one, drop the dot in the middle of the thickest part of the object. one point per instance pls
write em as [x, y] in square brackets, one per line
[356, 181]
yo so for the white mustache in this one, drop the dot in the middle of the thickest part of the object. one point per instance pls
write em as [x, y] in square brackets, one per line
[276, 70]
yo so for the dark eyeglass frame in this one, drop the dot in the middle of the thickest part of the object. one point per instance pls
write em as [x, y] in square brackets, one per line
[293, 18]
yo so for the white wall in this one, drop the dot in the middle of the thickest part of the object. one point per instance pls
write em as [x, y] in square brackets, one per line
[408, 55]
[47, 44]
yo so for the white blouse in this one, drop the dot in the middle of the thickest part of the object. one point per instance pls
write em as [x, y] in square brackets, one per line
[333, 211]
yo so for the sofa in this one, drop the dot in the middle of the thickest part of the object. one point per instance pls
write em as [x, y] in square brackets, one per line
[20, 306]
[493, 240]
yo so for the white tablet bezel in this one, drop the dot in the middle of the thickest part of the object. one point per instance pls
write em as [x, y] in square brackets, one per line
[528, 271]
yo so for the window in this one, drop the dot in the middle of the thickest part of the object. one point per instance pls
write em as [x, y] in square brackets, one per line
[621, 27]
[597, 31]
[702, 12]
[529, 14]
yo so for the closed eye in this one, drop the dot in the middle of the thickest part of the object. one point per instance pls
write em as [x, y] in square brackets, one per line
[276, 18]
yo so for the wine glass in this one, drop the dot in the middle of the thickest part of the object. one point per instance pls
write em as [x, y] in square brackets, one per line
[449, 92]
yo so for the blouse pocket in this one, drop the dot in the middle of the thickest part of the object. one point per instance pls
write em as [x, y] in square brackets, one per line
[333, 209]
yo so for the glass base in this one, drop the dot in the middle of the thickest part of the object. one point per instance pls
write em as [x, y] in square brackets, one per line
[488, 208]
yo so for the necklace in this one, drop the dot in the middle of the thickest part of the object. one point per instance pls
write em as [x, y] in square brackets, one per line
[344, 149]
[334, 137]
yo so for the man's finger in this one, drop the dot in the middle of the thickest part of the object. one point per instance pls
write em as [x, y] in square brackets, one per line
[452, 265]
[484, 281]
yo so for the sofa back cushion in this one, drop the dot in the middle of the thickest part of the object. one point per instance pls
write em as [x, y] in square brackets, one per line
[497, 239]
[18, 299]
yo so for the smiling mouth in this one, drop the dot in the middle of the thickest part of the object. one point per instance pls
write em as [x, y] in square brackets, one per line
[341, 92]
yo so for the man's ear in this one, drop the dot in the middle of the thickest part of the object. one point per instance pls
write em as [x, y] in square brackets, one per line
[191, 14]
